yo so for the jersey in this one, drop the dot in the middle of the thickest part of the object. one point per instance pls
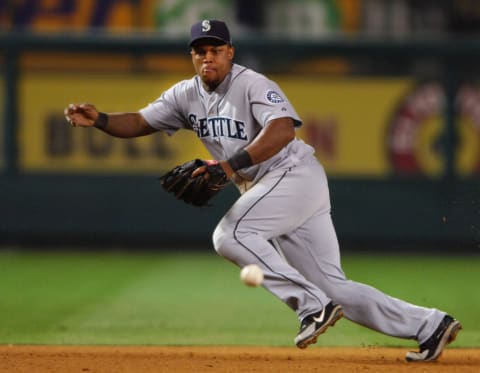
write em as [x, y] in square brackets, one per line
[229, 118]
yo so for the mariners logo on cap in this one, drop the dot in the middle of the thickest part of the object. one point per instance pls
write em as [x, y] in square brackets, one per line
[206, 25]
[274, 97]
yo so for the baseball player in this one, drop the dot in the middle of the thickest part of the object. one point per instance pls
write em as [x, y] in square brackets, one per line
[281, 221]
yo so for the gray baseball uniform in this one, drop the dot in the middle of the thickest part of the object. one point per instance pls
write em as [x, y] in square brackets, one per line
[285, 200]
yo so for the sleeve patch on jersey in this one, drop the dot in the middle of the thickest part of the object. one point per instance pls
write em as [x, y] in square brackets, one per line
[274, 97]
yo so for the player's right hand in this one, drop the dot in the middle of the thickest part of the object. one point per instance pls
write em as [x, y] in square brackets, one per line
[82, 115]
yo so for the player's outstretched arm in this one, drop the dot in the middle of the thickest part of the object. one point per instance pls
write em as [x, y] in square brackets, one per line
[115, 124]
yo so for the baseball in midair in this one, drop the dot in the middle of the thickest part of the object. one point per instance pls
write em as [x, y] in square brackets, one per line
[251, 275]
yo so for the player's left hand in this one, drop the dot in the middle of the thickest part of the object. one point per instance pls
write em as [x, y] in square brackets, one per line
[223, 164]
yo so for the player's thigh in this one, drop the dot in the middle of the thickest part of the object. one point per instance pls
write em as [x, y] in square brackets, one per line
[280, 202]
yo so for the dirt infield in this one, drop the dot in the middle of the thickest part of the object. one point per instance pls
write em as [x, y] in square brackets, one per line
[90, 359]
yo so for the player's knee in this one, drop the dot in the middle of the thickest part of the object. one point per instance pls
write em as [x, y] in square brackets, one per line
[222, 240]
[217, 238]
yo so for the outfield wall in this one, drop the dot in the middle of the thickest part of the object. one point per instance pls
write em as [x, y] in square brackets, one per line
[401, 148]
[133, 211]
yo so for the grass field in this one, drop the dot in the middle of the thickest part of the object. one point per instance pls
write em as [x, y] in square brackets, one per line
[118, 298]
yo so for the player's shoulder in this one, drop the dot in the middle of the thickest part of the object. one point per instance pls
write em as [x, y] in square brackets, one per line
[243, 73]
[185, 84]
[185, 89]
[246, 78]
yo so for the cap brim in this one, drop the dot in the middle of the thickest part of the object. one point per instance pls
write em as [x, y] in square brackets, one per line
[215, 40]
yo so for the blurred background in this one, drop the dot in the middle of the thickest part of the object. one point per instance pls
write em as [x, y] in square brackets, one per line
[388, 91]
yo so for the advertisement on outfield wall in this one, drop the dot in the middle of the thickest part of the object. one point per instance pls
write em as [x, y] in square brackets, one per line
[416, 140]
[358, 126]
[48, 143]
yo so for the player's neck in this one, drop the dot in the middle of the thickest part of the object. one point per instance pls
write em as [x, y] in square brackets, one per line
[210, 87]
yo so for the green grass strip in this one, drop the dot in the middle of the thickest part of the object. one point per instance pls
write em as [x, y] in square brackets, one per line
[126, 298]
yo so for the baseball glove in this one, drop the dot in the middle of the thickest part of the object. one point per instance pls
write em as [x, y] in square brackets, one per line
[196, 190]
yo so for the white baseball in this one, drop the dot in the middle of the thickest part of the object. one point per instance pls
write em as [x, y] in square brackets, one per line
[251, 275]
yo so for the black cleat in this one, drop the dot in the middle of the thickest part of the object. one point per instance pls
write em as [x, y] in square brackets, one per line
[315, 324]
[431, 350]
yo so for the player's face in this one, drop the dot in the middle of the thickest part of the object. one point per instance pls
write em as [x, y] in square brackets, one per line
[212, 62]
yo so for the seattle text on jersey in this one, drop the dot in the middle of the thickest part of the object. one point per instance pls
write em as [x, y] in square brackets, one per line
[218, 127]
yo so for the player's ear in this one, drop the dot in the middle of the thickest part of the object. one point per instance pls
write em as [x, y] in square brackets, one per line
[231, 52]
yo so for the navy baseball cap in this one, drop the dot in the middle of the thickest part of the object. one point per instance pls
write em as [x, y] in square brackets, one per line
[210, 29]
